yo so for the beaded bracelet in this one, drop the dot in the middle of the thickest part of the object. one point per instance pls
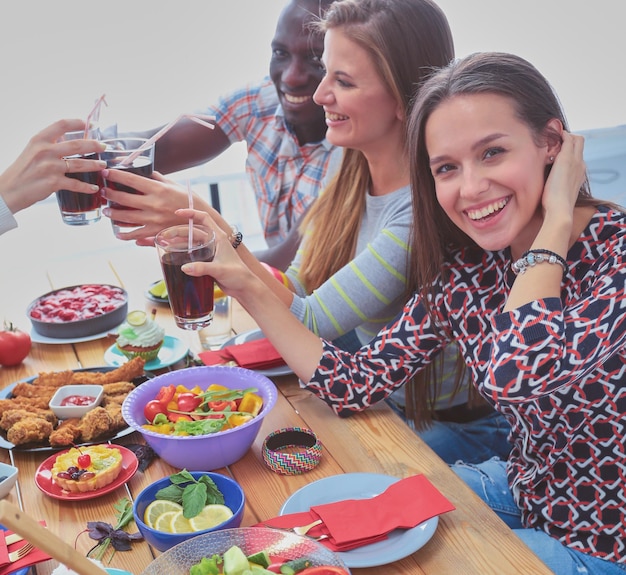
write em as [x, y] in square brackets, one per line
[292, 462]
[533, 257]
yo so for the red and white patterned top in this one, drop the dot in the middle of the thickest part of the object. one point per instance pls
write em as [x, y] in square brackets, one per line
[555, 367]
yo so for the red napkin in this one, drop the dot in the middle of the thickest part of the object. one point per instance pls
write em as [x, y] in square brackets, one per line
[257, 354]
[356, 522]
[35, 556]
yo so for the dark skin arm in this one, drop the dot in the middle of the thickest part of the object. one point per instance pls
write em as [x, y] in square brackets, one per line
[283, 254]
[185, 145]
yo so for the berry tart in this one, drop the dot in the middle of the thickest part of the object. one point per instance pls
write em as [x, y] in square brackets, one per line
[87, 468]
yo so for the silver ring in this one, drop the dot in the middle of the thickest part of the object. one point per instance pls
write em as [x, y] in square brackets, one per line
[67, 165]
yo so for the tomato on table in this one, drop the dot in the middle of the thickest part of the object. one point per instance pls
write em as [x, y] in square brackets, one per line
[15, 345]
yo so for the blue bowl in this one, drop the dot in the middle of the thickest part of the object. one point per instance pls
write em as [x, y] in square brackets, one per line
[234, 498]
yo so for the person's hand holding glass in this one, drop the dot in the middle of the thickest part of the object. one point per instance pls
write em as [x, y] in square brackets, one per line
[44, 166]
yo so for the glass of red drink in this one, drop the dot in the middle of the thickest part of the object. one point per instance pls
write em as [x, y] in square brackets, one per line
[191, 298]
[79, 209]
[127, 154]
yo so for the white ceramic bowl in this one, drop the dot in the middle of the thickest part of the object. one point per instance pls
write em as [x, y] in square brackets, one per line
[9, 473]
[69, 411]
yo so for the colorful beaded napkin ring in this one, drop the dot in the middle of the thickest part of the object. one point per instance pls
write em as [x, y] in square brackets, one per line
[533, 257]
[306, 455]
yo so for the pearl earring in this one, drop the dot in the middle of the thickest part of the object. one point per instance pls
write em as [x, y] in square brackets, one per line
[551, 159]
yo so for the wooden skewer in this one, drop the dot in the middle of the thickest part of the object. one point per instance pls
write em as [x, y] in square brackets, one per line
[15, 519]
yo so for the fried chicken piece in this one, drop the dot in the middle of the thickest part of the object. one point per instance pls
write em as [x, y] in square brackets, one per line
[31, 430]
[28, 390]
[67, 433]
[126, 372]
[115, 413]
[29, 403]
[113, 399]
[13, 416]
[94, 424]
[118, 388]
[54, 378]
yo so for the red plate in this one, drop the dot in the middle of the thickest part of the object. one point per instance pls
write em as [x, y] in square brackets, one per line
[43, 477]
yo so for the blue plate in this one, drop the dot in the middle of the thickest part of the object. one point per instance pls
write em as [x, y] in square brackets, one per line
[399, 544]
[173, 350]
[253, 335]
[19, 571]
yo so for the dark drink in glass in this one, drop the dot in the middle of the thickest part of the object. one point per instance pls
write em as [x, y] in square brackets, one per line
[78, 209]
[191, 298]
[115, 155]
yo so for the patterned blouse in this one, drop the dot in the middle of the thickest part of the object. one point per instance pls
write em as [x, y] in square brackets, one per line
[555, 367]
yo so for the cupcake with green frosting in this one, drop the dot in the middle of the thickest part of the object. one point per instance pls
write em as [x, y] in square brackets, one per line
[140, 336]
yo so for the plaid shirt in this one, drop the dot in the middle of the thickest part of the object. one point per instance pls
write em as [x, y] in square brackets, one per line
[285, 176]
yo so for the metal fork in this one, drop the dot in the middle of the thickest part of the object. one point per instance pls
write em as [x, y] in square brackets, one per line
[305, 528]
[21, 552]
[299, 530]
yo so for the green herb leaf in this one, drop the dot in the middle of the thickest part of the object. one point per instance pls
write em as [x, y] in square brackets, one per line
[213, 494]
[194, 499]
[200, 426]
[171, 493]
[182, 477]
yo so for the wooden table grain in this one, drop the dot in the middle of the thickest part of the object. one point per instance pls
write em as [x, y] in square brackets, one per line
[469, 540]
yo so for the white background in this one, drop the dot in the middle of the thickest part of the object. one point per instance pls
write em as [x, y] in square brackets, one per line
[154, 60]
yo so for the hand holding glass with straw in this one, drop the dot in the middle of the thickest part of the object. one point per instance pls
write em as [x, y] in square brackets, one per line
[77, 208]
[136, 155]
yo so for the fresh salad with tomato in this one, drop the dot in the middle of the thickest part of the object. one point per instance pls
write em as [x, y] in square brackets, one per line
[177, 410]
[235, 562]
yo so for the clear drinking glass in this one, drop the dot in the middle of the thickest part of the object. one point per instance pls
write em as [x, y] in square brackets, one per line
[191, 298]
[115, 155]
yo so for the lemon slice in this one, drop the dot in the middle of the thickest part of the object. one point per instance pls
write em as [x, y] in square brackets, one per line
[210, 516]
[179, 523]
[164, 521]
[157, 508]
[137, 317]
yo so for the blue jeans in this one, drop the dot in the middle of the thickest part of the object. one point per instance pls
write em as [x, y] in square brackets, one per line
[470, 442]
[488, 480]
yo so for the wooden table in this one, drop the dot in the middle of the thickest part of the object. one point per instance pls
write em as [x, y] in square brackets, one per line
[470, 539]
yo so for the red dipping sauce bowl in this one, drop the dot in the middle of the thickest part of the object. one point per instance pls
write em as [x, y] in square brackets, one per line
[75, 400]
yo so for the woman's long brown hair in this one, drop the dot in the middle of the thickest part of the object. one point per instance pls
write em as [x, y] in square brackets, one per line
[405, 39]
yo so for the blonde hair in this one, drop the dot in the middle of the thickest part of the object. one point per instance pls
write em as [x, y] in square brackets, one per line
[405, 39]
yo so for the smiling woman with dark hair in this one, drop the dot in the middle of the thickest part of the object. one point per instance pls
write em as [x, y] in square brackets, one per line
[514, 261]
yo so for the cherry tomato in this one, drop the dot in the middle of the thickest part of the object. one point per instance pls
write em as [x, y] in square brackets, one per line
[14, 345]
[222, 405]
[152, 409]
[166, 394]
[188, 401]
